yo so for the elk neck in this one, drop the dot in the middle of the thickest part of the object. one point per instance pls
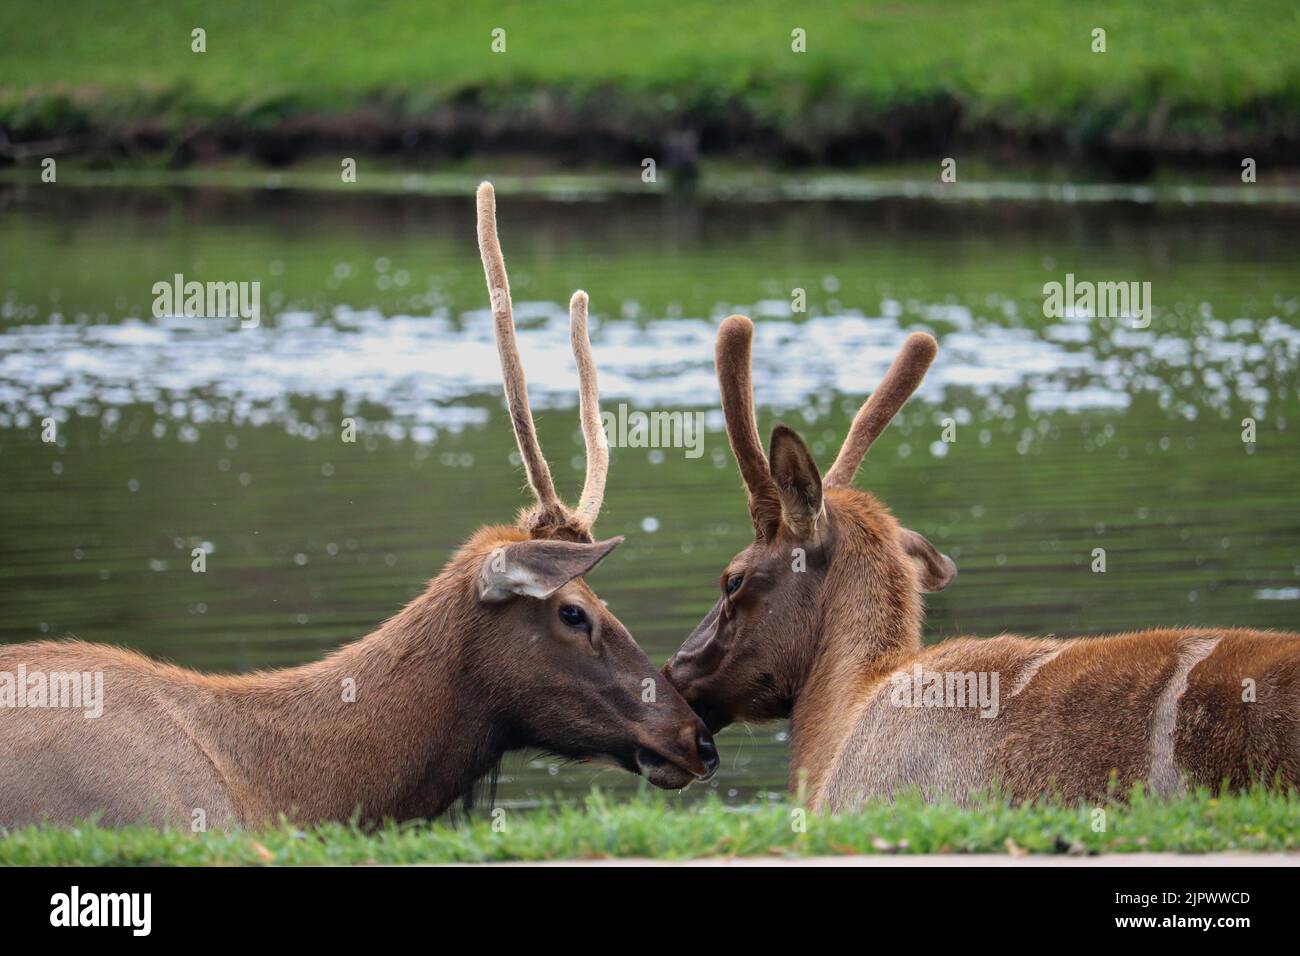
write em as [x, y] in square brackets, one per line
[868, 621]
[412, 739]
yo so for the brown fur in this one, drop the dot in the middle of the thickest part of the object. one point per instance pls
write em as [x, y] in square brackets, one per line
[822, 643]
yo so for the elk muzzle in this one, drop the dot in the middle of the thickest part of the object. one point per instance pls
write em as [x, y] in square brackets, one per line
[695, 668]
[672, 762]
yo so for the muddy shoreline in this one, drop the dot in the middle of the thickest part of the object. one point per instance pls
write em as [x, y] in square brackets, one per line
[617, 128]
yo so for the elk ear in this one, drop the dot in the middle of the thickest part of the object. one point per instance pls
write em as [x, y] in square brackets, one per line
[798, 481]
[537, 568]
[937, 570]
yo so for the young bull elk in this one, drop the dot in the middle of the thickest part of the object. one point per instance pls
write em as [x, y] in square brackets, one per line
[836, 647]
[507, 648]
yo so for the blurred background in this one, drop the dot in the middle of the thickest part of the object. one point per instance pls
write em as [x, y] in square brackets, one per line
[782, 178]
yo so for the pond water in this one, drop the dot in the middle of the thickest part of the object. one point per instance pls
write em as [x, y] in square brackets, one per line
[1071, 433]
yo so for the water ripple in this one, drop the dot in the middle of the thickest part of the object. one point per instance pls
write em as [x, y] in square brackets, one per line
[431, 372]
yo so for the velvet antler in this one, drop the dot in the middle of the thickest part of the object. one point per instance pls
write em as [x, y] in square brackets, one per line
[735, 338]
[593, 434]
[551, 518]
[902, 379]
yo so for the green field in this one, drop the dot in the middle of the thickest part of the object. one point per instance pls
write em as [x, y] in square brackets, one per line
[652, 827]
[1175, 76]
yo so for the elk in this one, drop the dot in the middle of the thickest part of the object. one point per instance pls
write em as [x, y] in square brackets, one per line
[507, 648]
[833, 641]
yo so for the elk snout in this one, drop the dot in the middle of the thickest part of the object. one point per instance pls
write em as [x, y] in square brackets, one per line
[690, 755]
[706, 752]
[691, 680]
[688, 674]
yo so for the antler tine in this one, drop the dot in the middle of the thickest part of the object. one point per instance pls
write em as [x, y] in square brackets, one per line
[902, 379]
[593, 490]
[512, 371]
[732, 358]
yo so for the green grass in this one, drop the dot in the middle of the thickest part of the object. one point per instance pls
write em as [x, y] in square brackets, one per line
[1172, 69]
[652, 826]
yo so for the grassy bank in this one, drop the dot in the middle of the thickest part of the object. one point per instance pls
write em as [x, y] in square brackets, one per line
[615, 80]
[654, 827]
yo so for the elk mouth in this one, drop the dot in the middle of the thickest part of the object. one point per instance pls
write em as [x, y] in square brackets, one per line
[664, 773]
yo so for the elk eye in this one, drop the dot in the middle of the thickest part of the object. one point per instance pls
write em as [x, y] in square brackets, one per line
[734, 582]
[573, 616]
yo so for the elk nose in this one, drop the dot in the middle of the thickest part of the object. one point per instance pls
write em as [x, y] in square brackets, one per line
[708, 753]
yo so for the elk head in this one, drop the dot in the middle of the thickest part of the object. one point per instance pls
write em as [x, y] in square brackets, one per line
[562, 670]
[826, 559]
